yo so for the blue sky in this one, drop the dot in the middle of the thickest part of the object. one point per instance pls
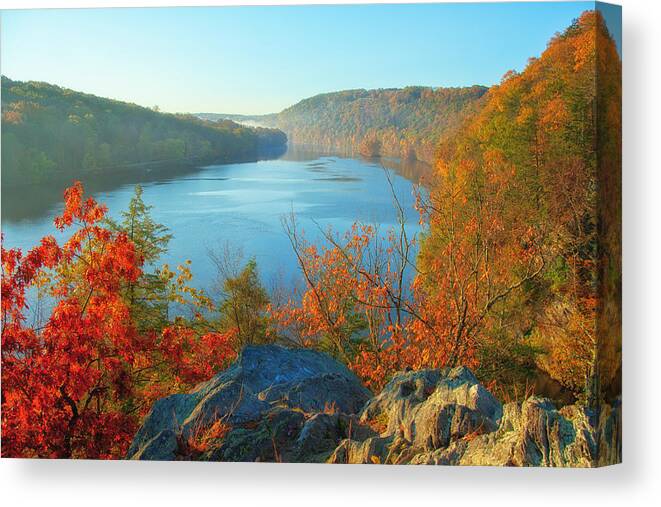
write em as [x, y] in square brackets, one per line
[262, 59]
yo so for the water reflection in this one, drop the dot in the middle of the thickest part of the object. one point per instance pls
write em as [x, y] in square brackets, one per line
[32, 202]
[413, 170]
[27, 203]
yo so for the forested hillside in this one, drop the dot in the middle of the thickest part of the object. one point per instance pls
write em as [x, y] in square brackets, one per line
[525, 219]
[52, 133]
[406, 123]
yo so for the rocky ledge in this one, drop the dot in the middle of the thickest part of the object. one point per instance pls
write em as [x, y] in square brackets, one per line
[298, 405]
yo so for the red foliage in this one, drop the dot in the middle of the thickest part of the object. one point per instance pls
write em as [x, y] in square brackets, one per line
[196, 357]
[76, 386]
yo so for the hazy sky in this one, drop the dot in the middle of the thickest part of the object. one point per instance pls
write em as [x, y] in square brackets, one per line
[263, 59]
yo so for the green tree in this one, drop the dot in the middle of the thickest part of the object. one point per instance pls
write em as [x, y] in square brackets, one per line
[244, 306]
[146, 297]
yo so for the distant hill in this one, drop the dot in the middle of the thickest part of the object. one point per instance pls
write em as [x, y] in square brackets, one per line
[53, 133]
[405, 123]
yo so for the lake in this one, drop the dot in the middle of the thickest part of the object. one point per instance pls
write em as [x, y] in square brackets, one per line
[240, 205]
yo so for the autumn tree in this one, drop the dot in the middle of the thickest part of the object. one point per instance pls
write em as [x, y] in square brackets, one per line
[361, 302]
[533, 153]
[63, 385]
[78, 385]
[370, 146]
[481, 253]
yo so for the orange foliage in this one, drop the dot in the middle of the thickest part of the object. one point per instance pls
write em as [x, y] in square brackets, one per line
[361, 305]
[535, 175]
[202, 437]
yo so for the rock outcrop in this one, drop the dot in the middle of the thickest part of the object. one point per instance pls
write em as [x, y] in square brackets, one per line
[446, 417]
[268, 396]
[278, 404]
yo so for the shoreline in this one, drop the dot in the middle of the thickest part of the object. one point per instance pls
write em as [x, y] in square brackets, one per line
[152, 167]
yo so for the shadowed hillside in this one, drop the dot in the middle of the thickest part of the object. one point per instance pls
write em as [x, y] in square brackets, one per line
[52, 133]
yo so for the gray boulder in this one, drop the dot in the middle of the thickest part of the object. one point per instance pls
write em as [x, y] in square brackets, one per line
[262, 379]
[535, 433]
[430, 408]
[422, 411]
[285, 435]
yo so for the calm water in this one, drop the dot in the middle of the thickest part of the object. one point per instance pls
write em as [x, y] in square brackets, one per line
[240, 205]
